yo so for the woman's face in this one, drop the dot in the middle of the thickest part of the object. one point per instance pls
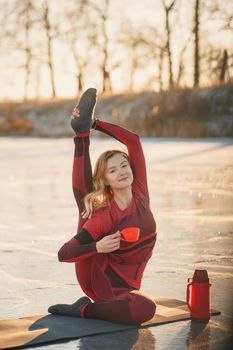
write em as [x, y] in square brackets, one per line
[118, 174]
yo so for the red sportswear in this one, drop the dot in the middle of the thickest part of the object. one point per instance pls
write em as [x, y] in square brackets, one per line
[103, 276]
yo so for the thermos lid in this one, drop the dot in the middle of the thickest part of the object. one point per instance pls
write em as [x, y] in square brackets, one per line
[200, 276]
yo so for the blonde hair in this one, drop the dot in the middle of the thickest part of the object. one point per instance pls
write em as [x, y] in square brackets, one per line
[102, 194]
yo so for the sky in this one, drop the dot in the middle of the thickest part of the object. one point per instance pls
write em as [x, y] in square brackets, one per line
[140, 13]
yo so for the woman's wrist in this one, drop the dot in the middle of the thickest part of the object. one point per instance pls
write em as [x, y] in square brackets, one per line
[94, 124]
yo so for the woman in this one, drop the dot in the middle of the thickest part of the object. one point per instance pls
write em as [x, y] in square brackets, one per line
[108, 269]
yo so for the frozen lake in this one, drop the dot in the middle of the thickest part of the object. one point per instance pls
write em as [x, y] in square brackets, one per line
[191, 187]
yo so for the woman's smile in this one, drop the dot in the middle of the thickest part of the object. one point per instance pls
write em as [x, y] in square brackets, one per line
[123, 178]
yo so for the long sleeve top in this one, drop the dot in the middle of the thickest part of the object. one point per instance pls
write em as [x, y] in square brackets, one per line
[130, 260]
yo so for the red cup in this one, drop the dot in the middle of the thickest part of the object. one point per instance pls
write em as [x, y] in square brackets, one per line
[130, 234]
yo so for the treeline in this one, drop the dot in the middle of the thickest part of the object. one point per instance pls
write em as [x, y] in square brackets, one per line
[34, 31]
[198, 112]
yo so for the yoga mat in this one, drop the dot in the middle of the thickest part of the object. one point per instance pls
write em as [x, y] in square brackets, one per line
[31, 330]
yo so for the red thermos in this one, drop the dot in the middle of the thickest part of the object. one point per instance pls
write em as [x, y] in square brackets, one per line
[198, 290]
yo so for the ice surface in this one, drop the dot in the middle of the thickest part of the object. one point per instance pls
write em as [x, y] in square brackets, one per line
[191, 188]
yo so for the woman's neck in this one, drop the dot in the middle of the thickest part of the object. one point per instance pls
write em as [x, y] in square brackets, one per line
[123, 198]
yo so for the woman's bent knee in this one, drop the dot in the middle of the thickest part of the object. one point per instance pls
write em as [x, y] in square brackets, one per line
[142, 309]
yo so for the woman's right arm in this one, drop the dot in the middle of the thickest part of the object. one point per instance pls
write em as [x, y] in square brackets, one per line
[83, 246]
[78, 248]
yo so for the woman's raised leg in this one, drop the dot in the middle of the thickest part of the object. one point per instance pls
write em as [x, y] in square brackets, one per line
[82, 171]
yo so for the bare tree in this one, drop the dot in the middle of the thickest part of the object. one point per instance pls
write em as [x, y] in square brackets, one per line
[21, 19]
[80, 66]
[160, 77]
[102, 11]
[134, 43]
[156, 45]
[168, 9]
[181, 66]
[8, 30]
[196, 44]
[26, 16]
[181, 61]
[107, 86]
[224, 66]
[144, 46]
[51, 31]
[228, 20]
[212, 64]
[80, 36]
[37, 80]
[224, 14]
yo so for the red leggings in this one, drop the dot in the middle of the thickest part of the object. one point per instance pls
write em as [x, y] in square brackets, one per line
[130, 306]
[133, 307]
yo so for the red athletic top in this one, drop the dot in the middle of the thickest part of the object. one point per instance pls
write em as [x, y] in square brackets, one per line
[98, 273]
